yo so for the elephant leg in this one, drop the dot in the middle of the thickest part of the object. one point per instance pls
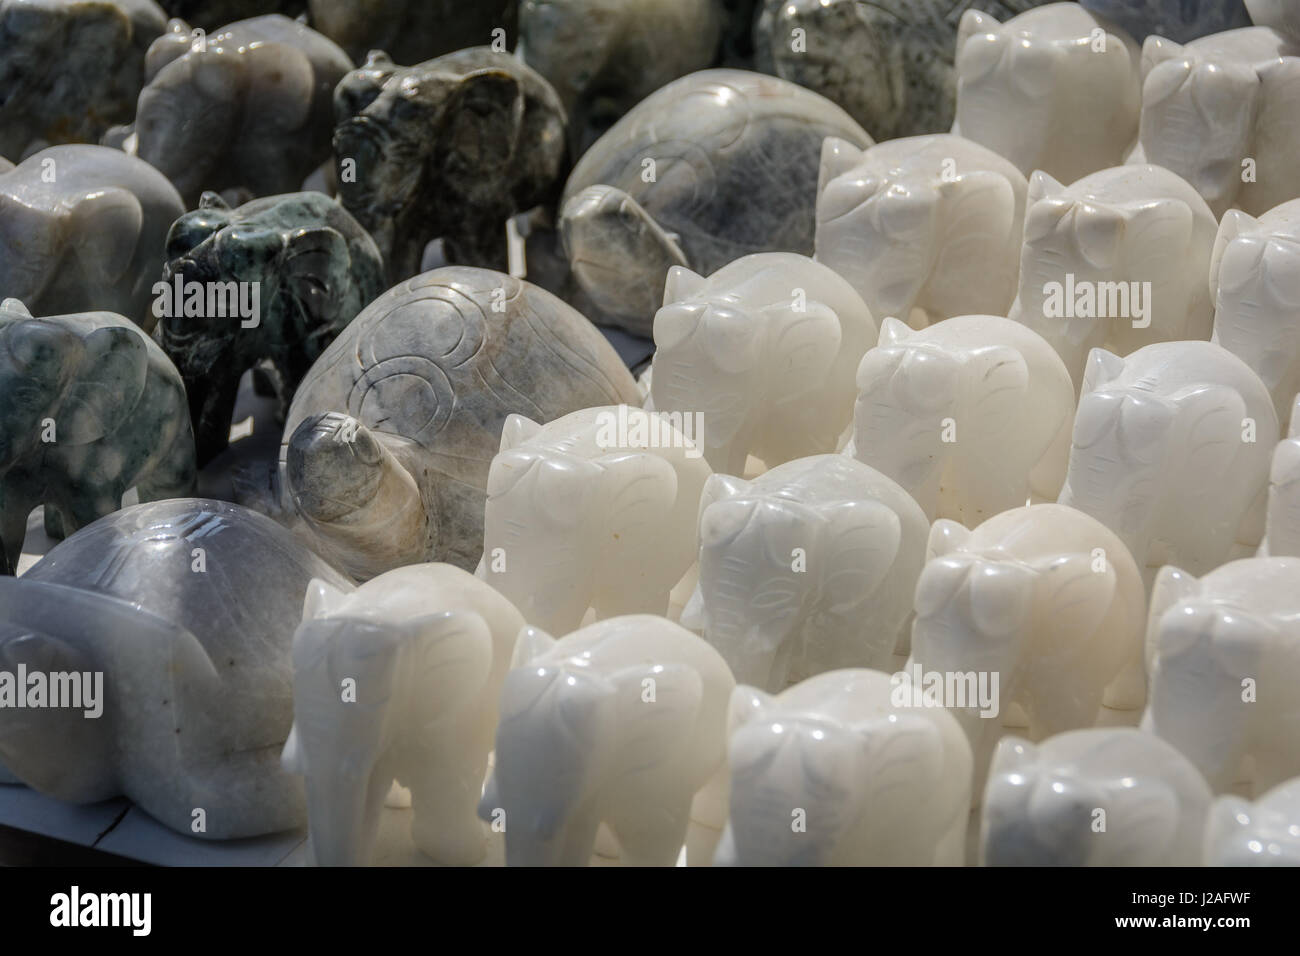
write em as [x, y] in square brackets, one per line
[174, 474]
[212, 405]
[81, 510]
[444, 798]
[951, 848]
[13, 530]
[1128, 691]
[55, 523]
[651, 829]
[579, 837]
[484, 247]
[1047, 477]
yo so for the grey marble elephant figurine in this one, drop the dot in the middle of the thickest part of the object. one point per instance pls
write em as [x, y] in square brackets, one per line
[448, 149]
[70, 69]
[82, 228]
[301, 268]
[248, 108]
[92, 408]
[605, 56]
[412, 31]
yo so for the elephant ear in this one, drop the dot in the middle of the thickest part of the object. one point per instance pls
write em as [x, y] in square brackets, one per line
[102, 229]
[980, 214]
[1078, 595]
[484, 117]
[1216, 416]
[864, 537]
[107, 387]
[322, 600]
[655, 724]
[1157, 50]
[456, 646]
[642, 489]
[281, 80]
[1001, 385]
[901, 749]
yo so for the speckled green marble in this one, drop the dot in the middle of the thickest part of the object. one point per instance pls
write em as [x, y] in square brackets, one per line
[316, 268]
[69, 69]
[92, 407]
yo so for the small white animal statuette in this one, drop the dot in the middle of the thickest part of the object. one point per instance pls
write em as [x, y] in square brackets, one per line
[618, 723]
[1224, 660]
[1039, 607]
[1099, 797]
[765, 349]
[1055, 88]
[1220, 112]
[1263, 833]
[1255, 282]
[1116, 260]
[808, 568]
[1171, 451]
[835, 771]
[924, 228]
[971, 415]
[1282, 523]
[595, 509]
[398, 680]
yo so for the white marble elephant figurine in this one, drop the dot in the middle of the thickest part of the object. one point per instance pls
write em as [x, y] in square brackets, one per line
[1220, 112]
[1109, 796]
[1255, 284]
[765, 350]
[1116, 260]
[1039, 609]
[596, 509]
[1282, 517]
[924, 228]
[1056, 88]
[1224, 660]
[841, 770]
[972, 416]
[1263, 833]
[1171, 451]
[620, 723]
[398, 681]
[808, 568]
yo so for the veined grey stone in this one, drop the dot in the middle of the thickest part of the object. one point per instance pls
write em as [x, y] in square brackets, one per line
[605, 56]
[412, 31]
[69, 69]
[889, 63]
[446, 149]
[91, 408]
[1179, 20]
[712, 167]
[82, 229]
[248, 107]
[388, 442]
[315, 269]
[187, 608]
